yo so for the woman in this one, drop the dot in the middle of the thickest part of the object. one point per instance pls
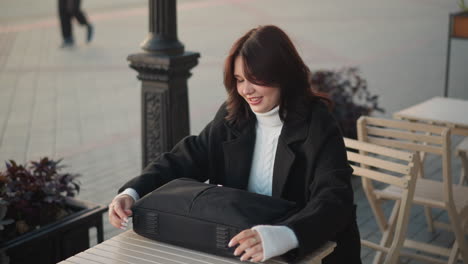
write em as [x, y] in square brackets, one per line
[273, 136]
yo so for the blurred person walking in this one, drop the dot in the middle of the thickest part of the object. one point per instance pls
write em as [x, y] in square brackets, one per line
[67, 10]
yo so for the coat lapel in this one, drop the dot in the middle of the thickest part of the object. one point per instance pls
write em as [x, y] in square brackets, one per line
[295, 129]
[238, 155]
[283, 161]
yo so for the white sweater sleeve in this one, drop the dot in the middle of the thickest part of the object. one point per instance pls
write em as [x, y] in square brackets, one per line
[131, 192]
[276, 240]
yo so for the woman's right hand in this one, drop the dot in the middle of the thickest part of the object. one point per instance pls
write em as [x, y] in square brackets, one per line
[119, 211]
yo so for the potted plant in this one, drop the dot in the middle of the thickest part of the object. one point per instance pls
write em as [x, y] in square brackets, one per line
[459, 21]
[46, 224]
[349, 94]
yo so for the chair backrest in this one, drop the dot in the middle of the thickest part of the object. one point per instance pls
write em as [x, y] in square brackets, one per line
[394, 167]
[411, 136]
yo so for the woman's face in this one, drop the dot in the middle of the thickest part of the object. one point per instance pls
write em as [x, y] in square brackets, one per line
[261, 99]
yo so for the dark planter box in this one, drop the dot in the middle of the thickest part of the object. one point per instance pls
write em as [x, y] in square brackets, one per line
[56, 241]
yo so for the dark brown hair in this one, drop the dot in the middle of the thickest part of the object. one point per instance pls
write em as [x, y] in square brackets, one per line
[270, 59]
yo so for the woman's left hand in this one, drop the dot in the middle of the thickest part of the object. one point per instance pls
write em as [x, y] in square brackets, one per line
[249, 242]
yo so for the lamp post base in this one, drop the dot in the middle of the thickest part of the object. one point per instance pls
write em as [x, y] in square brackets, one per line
[164, 99]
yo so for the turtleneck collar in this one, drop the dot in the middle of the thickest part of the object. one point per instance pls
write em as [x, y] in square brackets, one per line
[270, 118]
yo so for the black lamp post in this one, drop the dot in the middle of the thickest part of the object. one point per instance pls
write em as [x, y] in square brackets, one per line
[458, 29]
[163, 68]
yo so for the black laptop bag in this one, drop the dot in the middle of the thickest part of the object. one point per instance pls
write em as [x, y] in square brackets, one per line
[202, 216]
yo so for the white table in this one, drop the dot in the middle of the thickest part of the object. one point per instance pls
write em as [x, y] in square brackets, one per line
[450, 112]
[130, 247]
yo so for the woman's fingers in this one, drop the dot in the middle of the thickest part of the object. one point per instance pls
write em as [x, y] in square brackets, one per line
[257, 257]
[250, 252]
[249, 242]
[241, 236]
[114, 219]
[119, 211]
[246, 244]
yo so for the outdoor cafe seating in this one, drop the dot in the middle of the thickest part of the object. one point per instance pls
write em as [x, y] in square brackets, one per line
[439, 192]
[379, 164]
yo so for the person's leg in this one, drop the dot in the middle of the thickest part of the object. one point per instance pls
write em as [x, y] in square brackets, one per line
[78, 14]
[81, 18]
[65, 22]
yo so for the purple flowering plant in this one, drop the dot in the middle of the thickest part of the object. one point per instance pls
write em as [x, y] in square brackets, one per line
[35, 194]
[348, 91]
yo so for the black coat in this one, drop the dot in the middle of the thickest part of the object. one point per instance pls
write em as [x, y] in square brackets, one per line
[311, 169]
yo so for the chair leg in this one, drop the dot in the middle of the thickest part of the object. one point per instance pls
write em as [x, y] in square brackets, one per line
[454, 253]
[460, 242]
[387, 234]
[393, 256]
[464, 168]
[375, 204]
[427, 209]
[429, 219]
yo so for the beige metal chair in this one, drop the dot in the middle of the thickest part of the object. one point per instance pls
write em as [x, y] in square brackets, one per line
[395, 168]
[424, 138]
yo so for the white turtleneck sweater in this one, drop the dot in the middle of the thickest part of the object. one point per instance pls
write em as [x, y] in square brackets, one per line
[268, 129]
[276, 240]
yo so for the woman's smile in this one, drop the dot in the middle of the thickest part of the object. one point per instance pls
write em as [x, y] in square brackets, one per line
[254, 100]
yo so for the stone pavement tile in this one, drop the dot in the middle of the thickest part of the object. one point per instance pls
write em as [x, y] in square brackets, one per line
[16, 53]
[33, 51]
[109, 175]
[6, 43]
[16, 132]
[43, 122]
[94, 156]
[7, 92]
[93, 161]
[69, 129]
[121, 113]
[91, 118]
[110, 180]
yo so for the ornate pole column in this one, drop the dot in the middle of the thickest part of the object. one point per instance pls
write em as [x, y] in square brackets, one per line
[163, 68]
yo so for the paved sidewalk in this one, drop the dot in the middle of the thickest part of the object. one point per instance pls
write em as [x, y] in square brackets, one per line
[83, 104]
